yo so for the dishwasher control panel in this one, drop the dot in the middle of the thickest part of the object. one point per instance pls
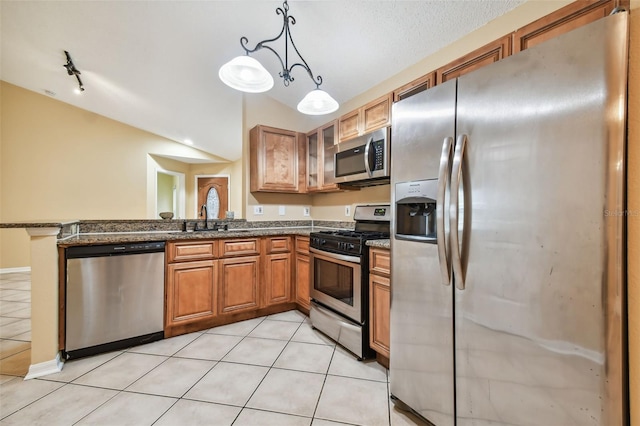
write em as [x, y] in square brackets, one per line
[114, 249]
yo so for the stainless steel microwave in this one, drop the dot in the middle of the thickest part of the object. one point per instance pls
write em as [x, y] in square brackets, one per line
[362, 161]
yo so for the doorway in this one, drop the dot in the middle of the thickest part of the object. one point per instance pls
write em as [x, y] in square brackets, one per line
[170, 193]
[213, 191]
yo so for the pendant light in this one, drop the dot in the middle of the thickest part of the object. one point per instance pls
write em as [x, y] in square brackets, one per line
[246, 74]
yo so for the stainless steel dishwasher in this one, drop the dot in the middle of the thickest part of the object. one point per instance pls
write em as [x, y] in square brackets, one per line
[114, 297]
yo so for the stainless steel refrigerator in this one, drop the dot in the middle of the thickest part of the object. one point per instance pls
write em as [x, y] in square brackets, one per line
[507, 239]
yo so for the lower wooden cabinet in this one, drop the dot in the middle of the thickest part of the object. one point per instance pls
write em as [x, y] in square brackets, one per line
[239, 284]
[238, 279]
[379, 300]
[277, 279]
[379, 313]
[191, 292]
[302, 272]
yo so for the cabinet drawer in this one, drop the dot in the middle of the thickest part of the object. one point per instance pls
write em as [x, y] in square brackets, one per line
[380, 262]
[302, 245]
[244, 247]
[188, 250]
[278, 244]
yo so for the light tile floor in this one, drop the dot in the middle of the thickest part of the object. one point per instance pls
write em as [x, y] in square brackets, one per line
[273, 370]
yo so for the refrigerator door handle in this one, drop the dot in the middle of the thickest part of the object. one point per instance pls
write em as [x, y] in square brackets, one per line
[456, 176]
[444, 251]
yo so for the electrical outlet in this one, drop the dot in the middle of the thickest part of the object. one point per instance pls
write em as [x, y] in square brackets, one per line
[258, 210]
[306, 211]
[281, 210]
[347, 211]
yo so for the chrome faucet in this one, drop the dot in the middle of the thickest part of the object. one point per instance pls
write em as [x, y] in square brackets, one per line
[203, 208]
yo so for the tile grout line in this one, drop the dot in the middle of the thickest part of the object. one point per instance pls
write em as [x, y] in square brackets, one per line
[267, 373]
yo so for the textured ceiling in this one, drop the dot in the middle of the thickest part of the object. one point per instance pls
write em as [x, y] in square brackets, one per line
[154, 64]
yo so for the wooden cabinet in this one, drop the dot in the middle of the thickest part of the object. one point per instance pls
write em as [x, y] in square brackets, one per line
[563, 20]
[277, 279]
[191, 250]
[302, 272]
[485, 55]
[277, 271]
[239, 247]
[191, 291]
[277, 159]
[319, 157]
[239, 284]
[374, 115]
[416, 86]
[379, 300]
[190, 282]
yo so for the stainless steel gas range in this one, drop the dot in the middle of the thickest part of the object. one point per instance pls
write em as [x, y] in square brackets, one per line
[340, 278]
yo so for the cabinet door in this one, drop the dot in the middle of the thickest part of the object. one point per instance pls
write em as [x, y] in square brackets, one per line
[349, 125]
[302, 281]
[416, 86]
[376, 114]
[313, 162]
[485, 55]
[239, 284]
[239, 247]
[328, 138]
[379, 313]
[190, 250]
[277, 160]
[380, 262]
[278, 279]
[563, 20]
[190, 291]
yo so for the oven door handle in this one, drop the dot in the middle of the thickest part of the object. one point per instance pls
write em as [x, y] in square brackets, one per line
[328, 255]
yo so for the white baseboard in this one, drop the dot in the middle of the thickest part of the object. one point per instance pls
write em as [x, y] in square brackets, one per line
[45, 368]
[13, 270]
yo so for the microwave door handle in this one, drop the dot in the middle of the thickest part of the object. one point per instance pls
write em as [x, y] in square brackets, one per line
[367, 165]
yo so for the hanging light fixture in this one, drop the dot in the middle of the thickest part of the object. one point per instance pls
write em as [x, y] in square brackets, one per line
[246, 74]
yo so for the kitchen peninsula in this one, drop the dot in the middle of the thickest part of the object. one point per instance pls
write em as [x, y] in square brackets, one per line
[268, 240]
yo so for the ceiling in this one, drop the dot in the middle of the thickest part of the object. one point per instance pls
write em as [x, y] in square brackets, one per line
[154, 64]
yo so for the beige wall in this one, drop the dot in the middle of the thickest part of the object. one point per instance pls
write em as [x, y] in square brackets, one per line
[61, 162]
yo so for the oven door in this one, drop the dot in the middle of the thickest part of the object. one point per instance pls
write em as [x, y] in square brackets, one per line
[336, 282]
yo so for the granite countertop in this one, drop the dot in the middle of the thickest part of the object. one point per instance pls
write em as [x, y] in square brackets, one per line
[127, 237]
[93, 232]
[386, 244]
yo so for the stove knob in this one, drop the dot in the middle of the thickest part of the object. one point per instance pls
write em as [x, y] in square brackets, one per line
[351, 246]
[323, 242]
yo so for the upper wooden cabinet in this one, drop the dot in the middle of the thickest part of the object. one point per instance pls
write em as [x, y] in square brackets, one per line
[416, 86]
[563, 20]
[319, 141]
[485, 55]
[277, 159]
[374, 115]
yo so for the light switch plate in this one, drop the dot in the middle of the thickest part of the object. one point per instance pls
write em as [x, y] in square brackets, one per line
[258, 210]
[281, 210]
[306, 211]
[347, 210]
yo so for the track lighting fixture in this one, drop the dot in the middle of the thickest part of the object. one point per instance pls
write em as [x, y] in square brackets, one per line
[246, 74]
[72, 70]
